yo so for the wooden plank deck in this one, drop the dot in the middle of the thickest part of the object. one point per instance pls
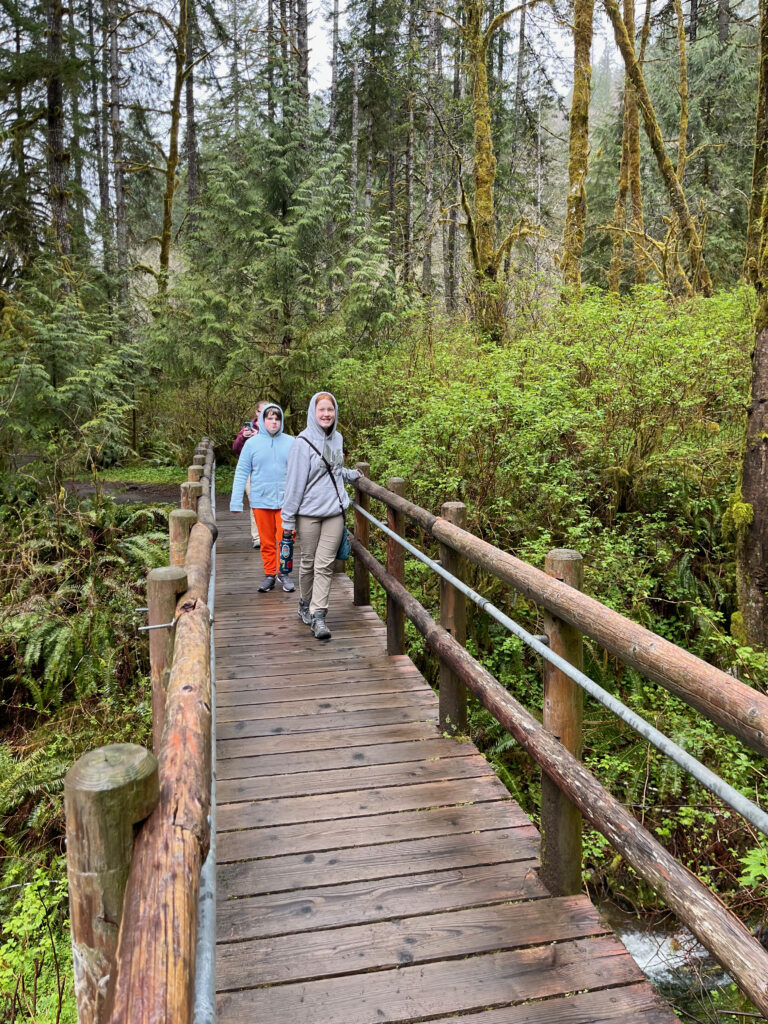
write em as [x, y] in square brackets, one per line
[369, 869]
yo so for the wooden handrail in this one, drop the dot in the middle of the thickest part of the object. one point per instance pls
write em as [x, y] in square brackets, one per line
[696, 906]
[730, 703]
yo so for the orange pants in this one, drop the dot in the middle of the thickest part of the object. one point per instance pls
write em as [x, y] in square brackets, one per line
[271, 531]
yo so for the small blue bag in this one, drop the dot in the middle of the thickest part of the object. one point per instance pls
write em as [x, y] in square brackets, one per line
[345, 548]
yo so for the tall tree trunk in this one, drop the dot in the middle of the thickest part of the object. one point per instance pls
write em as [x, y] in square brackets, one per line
[193, 186]
[723, 21]
[78, 212]
[367, 199]
[760, 160]
[302, 44]
[694, 21]
[408, 258]
[335, 69]
[578, 154]
[235, 71]
[452, 262]
[749, 510]
[99, 153]
[629, 178]
[683, 58]
[172, 162]
[391, 205]
[429, 150]
[700, 278]
[520, 74]
[271, 62]
[354, 142]
[58, 156]
[121, 225]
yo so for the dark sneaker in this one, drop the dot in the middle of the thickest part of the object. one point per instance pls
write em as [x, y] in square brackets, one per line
[319, 629]
[268, 583]
[304, 615]
[287, 582]
[256, 543]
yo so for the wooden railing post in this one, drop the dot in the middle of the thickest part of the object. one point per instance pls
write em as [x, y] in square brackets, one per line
[362, 579]
[180, 522]
[198, 459]
[560, 819]
[195, 492]
[106, 793]
[395, 566]
[163, 588]
[194, 473]
[453, 618]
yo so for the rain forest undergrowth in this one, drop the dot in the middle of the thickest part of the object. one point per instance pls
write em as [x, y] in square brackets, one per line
[613, 426]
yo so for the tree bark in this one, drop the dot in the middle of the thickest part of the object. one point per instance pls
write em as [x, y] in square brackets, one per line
[760, 160]
[99, 151]
[578, 154]
[429, 150]
[271, 62]
[694, 21]
[172, 161]
[193, 187]
[302, 44]
[121, 226]
[683, 58]
[700, 278]
[354, 142]
[78, 213]
[749, 510]
[58, 155]
[335, 69]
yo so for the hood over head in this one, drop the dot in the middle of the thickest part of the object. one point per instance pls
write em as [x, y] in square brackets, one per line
[312, 425]
[262, 427]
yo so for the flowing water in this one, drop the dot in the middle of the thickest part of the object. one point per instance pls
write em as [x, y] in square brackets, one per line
[670, 957]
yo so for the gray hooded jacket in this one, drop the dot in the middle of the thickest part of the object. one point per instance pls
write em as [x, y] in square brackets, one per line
[309, 490]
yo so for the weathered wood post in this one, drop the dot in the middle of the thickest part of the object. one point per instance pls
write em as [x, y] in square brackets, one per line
[184, 500]
[453, 618]
[560, 820]
[163, 588]
[198, 459]
[194, 473]
[395, 566]
[106, 793]
[180, 522]
[362, 580]
[195, 492]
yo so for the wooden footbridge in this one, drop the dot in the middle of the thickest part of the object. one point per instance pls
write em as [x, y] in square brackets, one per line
[369, 867]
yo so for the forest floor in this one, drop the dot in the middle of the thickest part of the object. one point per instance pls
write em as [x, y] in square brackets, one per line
[130, 493]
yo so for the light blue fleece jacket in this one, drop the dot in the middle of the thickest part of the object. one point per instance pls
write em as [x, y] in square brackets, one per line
[309, 490]
[263, 458]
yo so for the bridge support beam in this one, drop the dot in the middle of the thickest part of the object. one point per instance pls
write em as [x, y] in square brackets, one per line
[453, 619]
[362, 583]
[395, 566]
[561, 853]
[106, 793]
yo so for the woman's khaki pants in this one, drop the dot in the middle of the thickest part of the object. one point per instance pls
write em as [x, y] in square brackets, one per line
[319, 539]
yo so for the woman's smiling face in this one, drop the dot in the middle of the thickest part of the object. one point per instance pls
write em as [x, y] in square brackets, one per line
[325, 412]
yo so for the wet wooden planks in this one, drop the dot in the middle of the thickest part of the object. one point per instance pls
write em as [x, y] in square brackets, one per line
[369, 869]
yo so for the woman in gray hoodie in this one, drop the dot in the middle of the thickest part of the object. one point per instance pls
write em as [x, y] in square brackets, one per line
[314, 505]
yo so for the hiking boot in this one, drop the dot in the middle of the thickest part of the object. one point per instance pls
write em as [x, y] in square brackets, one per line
[304, 615]
[268, 583]
[257, 542]
[319, 629]
[288, 584]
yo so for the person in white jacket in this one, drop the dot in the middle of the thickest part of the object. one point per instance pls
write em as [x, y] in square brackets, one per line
[314, 505]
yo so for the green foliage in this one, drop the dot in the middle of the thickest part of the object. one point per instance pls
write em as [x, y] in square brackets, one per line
[36, 952]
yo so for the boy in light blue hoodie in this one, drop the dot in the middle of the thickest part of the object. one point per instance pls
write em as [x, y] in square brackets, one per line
[263, 460]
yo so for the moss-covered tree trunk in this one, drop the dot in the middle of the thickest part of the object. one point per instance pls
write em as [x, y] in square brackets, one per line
[578, 153]
[760, 162]
[172, 161]
[749, 512]
[700, 278]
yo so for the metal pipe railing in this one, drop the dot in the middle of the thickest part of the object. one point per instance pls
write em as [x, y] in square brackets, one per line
[686, 761]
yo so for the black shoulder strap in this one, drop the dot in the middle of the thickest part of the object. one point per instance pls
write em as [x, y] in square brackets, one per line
[328, 467]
